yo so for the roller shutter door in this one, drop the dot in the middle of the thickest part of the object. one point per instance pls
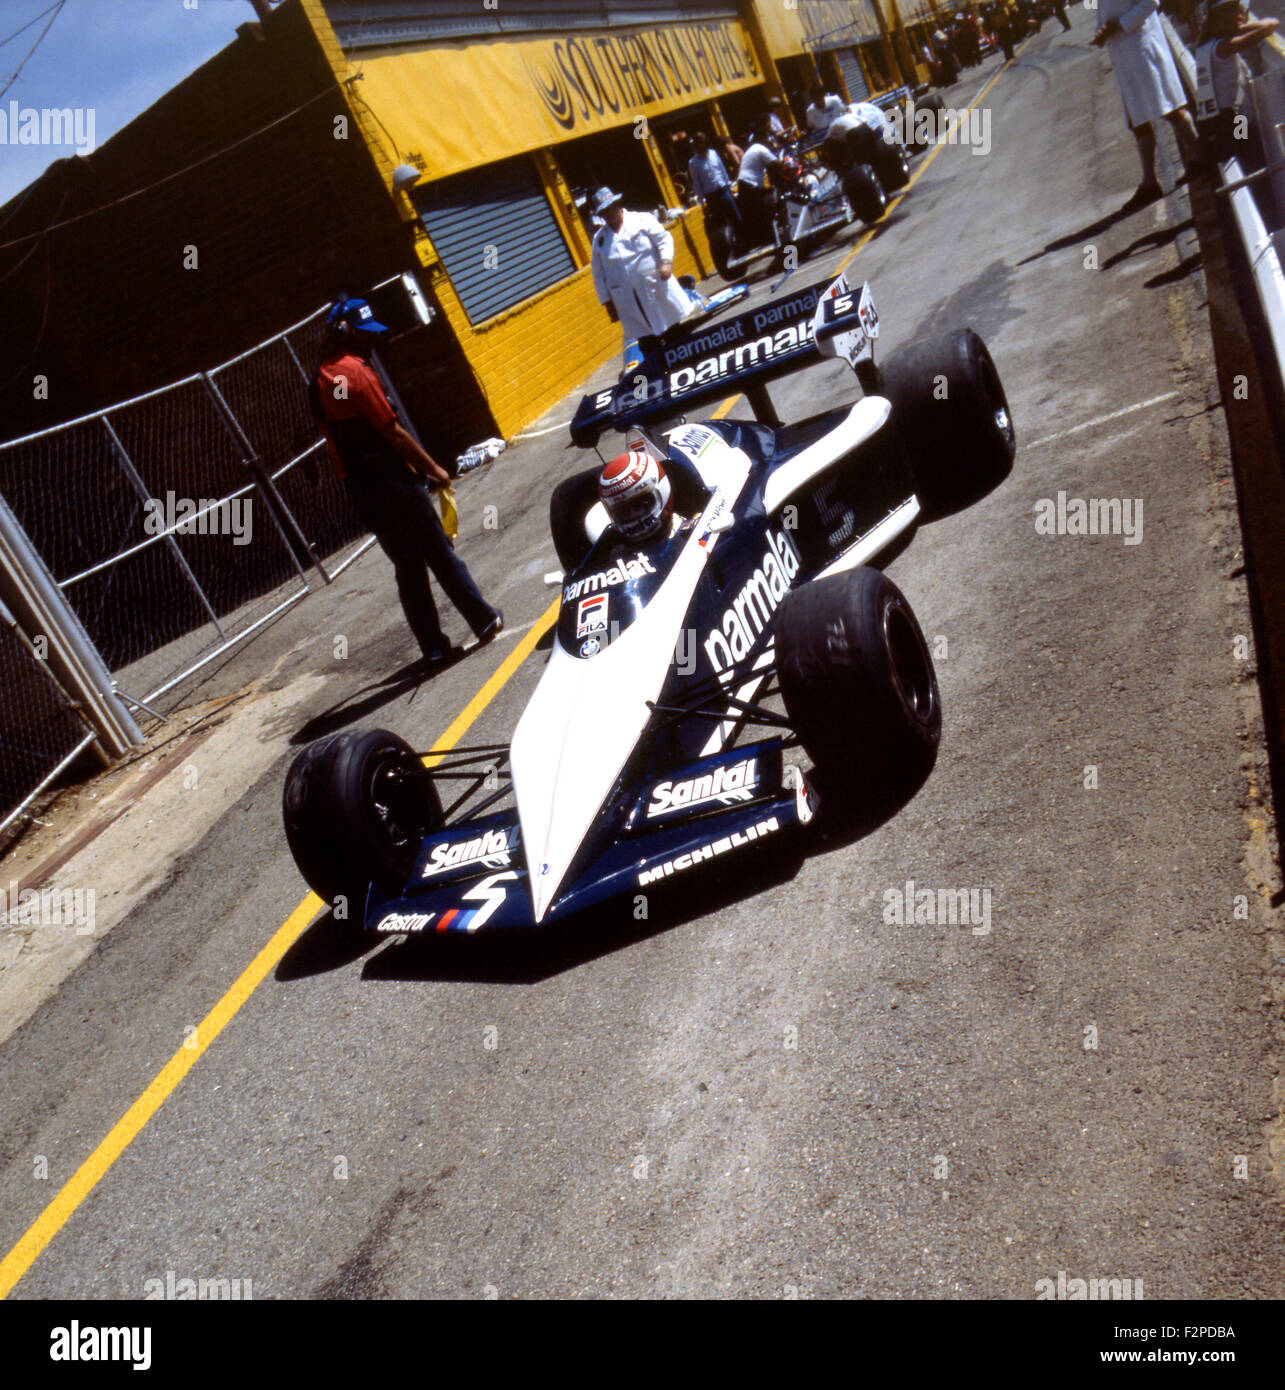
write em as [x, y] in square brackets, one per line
[496, 234]
[852, 74]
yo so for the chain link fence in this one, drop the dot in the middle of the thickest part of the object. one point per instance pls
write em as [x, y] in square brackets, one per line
[175, 525]
[40, 733]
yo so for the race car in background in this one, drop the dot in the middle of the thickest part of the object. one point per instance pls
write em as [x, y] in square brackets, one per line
[808, 205]
[654, 744]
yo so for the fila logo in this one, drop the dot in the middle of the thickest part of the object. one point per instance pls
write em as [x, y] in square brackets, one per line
[591, 616]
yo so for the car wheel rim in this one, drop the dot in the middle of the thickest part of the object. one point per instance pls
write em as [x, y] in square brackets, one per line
[912, 672]
[996, 401]
[396, 798]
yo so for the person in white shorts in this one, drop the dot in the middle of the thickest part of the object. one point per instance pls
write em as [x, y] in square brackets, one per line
[1149, 86]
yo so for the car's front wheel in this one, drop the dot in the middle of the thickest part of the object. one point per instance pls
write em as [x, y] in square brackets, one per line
[892, 165]
[858, 683]
[949, 404]
[863, 190]
[357, 806]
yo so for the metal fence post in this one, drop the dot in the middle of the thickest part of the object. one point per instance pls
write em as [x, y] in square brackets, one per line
[40, 607]
[294, 357]
[132, 473]
[296, 542]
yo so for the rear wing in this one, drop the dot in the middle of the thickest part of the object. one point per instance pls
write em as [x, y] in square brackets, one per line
[739, 355]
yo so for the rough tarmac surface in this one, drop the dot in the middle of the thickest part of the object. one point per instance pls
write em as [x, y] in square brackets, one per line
[766, 1088]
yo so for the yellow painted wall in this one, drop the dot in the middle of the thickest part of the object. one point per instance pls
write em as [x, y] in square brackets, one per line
[529, 357]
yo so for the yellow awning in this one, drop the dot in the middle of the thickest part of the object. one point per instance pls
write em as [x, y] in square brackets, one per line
[462, 105]
[813, 26]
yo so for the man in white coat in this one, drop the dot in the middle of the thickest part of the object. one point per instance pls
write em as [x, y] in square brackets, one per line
[633, 270]
[1149, 86]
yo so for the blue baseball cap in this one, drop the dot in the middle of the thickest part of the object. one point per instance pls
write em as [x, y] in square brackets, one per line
[357, 314]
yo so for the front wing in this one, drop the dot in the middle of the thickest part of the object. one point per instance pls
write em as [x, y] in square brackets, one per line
[474, 875]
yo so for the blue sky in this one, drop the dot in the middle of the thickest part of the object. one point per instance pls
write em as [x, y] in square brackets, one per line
[115, 57]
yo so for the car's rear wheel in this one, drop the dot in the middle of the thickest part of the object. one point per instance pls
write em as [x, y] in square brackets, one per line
[863, 190]
[949, 404]
[357, 806]
[858, 683]
[568, 508]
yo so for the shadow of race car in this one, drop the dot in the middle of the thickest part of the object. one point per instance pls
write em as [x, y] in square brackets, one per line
[682, 674]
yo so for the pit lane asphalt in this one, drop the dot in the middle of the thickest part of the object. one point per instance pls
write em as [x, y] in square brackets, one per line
[640, 1123]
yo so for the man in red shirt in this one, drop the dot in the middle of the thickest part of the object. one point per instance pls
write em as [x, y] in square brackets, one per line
[389, 476]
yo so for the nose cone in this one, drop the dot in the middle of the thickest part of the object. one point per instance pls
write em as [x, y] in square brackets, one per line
[567, 751]
[584, 721]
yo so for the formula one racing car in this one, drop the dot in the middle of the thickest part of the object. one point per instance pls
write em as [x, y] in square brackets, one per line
[683, 671]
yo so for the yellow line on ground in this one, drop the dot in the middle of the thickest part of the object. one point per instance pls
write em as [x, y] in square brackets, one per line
[864, 240]
[123, 1133]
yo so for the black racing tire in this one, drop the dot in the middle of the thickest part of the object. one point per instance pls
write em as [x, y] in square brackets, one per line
[357, 806]
[722, 247]
[862, 188]
[933, 101]
[858, 683]
[948, 402]
[862, 144]
[568, 508]
[892, 164]
[783, 242]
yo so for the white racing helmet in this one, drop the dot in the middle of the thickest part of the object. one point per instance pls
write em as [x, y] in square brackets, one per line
[635, 491]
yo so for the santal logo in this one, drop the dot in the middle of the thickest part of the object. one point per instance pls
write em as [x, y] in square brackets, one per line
[492, 849]
[1094, 516]
[76, 1343]
[1078, 1290]
[752, 608]
[735, 782]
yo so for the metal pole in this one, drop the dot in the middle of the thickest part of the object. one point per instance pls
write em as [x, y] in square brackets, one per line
[42, 609]
[20, 636]
[294, 357]
[391, 392]
[296, 543]
[132, 473]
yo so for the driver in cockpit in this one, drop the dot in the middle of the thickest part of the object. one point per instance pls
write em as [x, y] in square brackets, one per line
[637, 492]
